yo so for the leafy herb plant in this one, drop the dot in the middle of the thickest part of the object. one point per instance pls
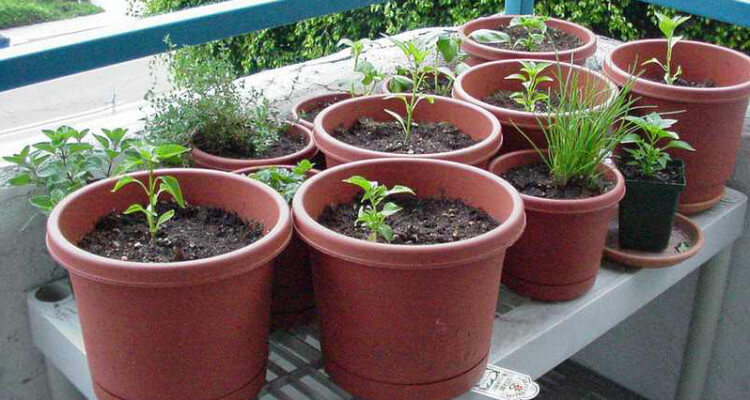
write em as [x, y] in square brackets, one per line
[530, 78]
[148, 156]
[66, 162]
[534, 25]
[667, 26]
[285, 181]
[583, 128]
[650, 152]
[371, 214]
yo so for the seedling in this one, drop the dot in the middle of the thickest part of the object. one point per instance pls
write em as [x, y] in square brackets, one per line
[66, 162]
[648, 154]
[446, 47]
[145, 155]
[371, 214]
[285, 181]
[530, 79]
[534, 25]
[667, 26]
[411, 101]
[370, 75]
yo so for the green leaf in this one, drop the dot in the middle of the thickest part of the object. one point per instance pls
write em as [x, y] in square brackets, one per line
[680, 144]
[489, 36]
[399, 84]
[448, 47]
[398, 189]
[45, 146]
[42, 202]
[170, 185]
[136, 208]
[518, 77]
[386, 232]
[164, 218]
[101, 139]
[361, 182]
[20, 180]
[167, 151]
[122, 182]
[390, 209]
[630, 138]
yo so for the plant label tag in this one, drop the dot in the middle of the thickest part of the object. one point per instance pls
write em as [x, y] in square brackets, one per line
[504, 384]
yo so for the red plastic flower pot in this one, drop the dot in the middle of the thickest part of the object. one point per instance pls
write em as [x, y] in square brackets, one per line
[400, 321]
[314, 101]
[481, 53]
[482, 80]
[292, 300]
[202, 159]
[712, 118]
[184, 330]
[471, 119]
[559, 254]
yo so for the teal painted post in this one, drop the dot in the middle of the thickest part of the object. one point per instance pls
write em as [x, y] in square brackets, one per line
[4, 41]
[519, 6]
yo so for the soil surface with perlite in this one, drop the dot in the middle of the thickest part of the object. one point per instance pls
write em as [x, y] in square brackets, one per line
[535, 180]
[388, 136]
[421, 221]
[671, 174]
[194, 232]
[287, 144]
[503, 99]
[554, 40]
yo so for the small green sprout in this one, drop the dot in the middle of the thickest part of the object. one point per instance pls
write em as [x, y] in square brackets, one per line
[530, 78]
[667, 26]
[447, 48]
[370, 74]
[411, 101]
[370, 214]
[535, 26]
[146, 155]
[285, 181]
[536, 29]
[648, 155]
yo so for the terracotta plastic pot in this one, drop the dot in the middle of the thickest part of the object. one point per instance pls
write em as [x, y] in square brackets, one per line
[559, 254]
[184, 330]
[712, 118]
[483, 80]
[480, 53]
[399, 321]
[311, 102]
[292, 300]
[202, 159]
[472, 120]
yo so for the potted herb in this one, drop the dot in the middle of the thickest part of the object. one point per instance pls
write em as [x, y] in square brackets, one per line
[653, 182]
[306, 110]
[434, 78]
[292, 301]
[406, 272]
[570, 194]
[711, 84]
[171, 270]
[516, 92]
[228, 126]
[509, 37]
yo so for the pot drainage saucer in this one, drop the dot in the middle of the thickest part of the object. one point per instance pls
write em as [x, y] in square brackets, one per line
[686, 240]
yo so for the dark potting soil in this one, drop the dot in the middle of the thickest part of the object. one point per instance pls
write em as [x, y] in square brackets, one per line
[683, 82]
[421, 221]
[501, 98]
[535, 180]
[193, 233]
[311, 113]
[287, 144]
[426, 138]
[554, 40]
[671, 174]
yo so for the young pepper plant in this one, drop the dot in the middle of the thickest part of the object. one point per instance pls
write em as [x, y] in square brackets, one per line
[667, 26]
[530, 79]
[649, 155]
[447, 48]
[370, 74]
[147, 156]
[285, 181]
[371, 214]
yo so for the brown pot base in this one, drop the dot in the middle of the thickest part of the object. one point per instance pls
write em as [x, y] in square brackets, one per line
[695, 208]
[373, 390]
[248, 391]
[290, 320]
[538, 291]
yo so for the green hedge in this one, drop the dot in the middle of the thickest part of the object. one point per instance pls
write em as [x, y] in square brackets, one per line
[25, 12]
[622, 19]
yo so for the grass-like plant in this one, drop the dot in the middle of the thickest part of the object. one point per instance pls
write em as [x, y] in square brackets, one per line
[667, 26]
[285, 181]
[530, 78]
[534, 25]
[583, 128]
[371, 214]
[650, 150]
[146, 156]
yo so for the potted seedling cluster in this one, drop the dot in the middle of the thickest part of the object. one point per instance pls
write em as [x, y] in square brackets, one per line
[653, 182]
[396, 242]
[709, 85]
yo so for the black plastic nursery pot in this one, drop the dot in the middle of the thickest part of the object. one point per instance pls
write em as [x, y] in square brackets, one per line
[647, 212]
